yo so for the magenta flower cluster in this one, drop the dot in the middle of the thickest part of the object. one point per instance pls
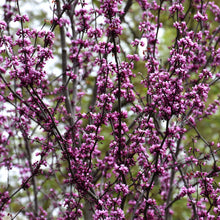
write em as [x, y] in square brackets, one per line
[114, 129]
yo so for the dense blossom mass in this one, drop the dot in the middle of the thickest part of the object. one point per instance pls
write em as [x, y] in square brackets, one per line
[104, 109]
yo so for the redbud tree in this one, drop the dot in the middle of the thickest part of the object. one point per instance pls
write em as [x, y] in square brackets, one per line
[108, 109]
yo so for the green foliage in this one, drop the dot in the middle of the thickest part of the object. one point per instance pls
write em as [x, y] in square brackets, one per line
[180, 210]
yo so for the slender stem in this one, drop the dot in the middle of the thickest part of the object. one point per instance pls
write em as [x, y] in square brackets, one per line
[64, 68]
